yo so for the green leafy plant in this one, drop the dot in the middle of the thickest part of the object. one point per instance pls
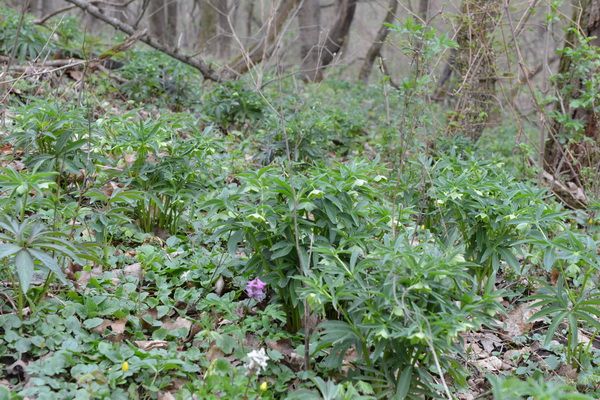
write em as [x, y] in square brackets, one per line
[231, 105]
[25, 245]
[33, 41]
[512, 388]
[575, 298]
[497, 218]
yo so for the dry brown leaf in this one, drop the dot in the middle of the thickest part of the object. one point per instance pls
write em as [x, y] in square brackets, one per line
[132, 270]
[75, 74]
[491, 364]
[85, 276]
[214, 352]
[148, 345]
[165, 396]
[177, 324]
[284, 346]
[117, 328]
[568, 372]
[517, 321]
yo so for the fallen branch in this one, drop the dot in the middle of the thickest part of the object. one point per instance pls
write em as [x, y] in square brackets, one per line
[206, 71]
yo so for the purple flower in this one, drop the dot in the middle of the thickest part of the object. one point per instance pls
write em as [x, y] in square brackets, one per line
[256, 289]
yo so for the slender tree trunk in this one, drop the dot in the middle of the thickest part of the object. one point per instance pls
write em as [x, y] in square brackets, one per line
[424, 10]
[208, 26]
[474, 66]
[267, 44]
[224, 33]
[172, 22]
[157, 19]
[375, 49]
[338, 34]
[565, 159]
[309, 19]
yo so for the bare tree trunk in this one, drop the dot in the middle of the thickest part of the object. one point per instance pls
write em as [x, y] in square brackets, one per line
[157, 19]
[163, 21]
[568, 161]
[249, 18]
[224, 33]
[266, 46]
[375, 49]
[474, 65]
[309, 19]
[208, 26]
[424, 10]
[338, 34]
[172, 21]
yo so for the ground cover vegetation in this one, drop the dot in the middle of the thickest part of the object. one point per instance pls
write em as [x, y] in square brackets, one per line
[165, 238]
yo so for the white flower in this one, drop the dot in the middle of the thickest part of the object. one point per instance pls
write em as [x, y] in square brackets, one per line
[257, 360]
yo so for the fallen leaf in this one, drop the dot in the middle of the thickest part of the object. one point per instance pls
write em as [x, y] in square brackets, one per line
[177, 324]
[491, 364]
[517, 321]
[489, 342]
[85, 276]
[214, 352]
[148, 345]
[165, 396]
[75, 74]
[117, 327]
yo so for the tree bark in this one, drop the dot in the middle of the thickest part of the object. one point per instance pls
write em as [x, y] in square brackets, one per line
[474, 66]
[375, 49]
[309, 20]
[338, 34]
[563, 158]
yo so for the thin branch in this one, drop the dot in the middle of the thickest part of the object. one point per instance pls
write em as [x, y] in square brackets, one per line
[203, 67]
[43, 20]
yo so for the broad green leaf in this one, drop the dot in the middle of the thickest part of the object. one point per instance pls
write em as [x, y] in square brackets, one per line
[49, 263]
[24, 266]
[403, 385]
[8, 249]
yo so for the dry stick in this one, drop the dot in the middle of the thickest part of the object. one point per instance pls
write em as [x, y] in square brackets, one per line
[206, 71]
[541, 111]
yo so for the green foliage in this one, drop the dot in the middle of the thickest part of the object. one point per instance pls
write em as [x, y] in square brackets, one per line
[534, 388]
[152, 76]
[401, 307]
[285, 223]
[152, 223]
[575, 297]
[168, 165]
[53, 136]
[33, 40]
[232, 106]
[495, 217]
[25, 245]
